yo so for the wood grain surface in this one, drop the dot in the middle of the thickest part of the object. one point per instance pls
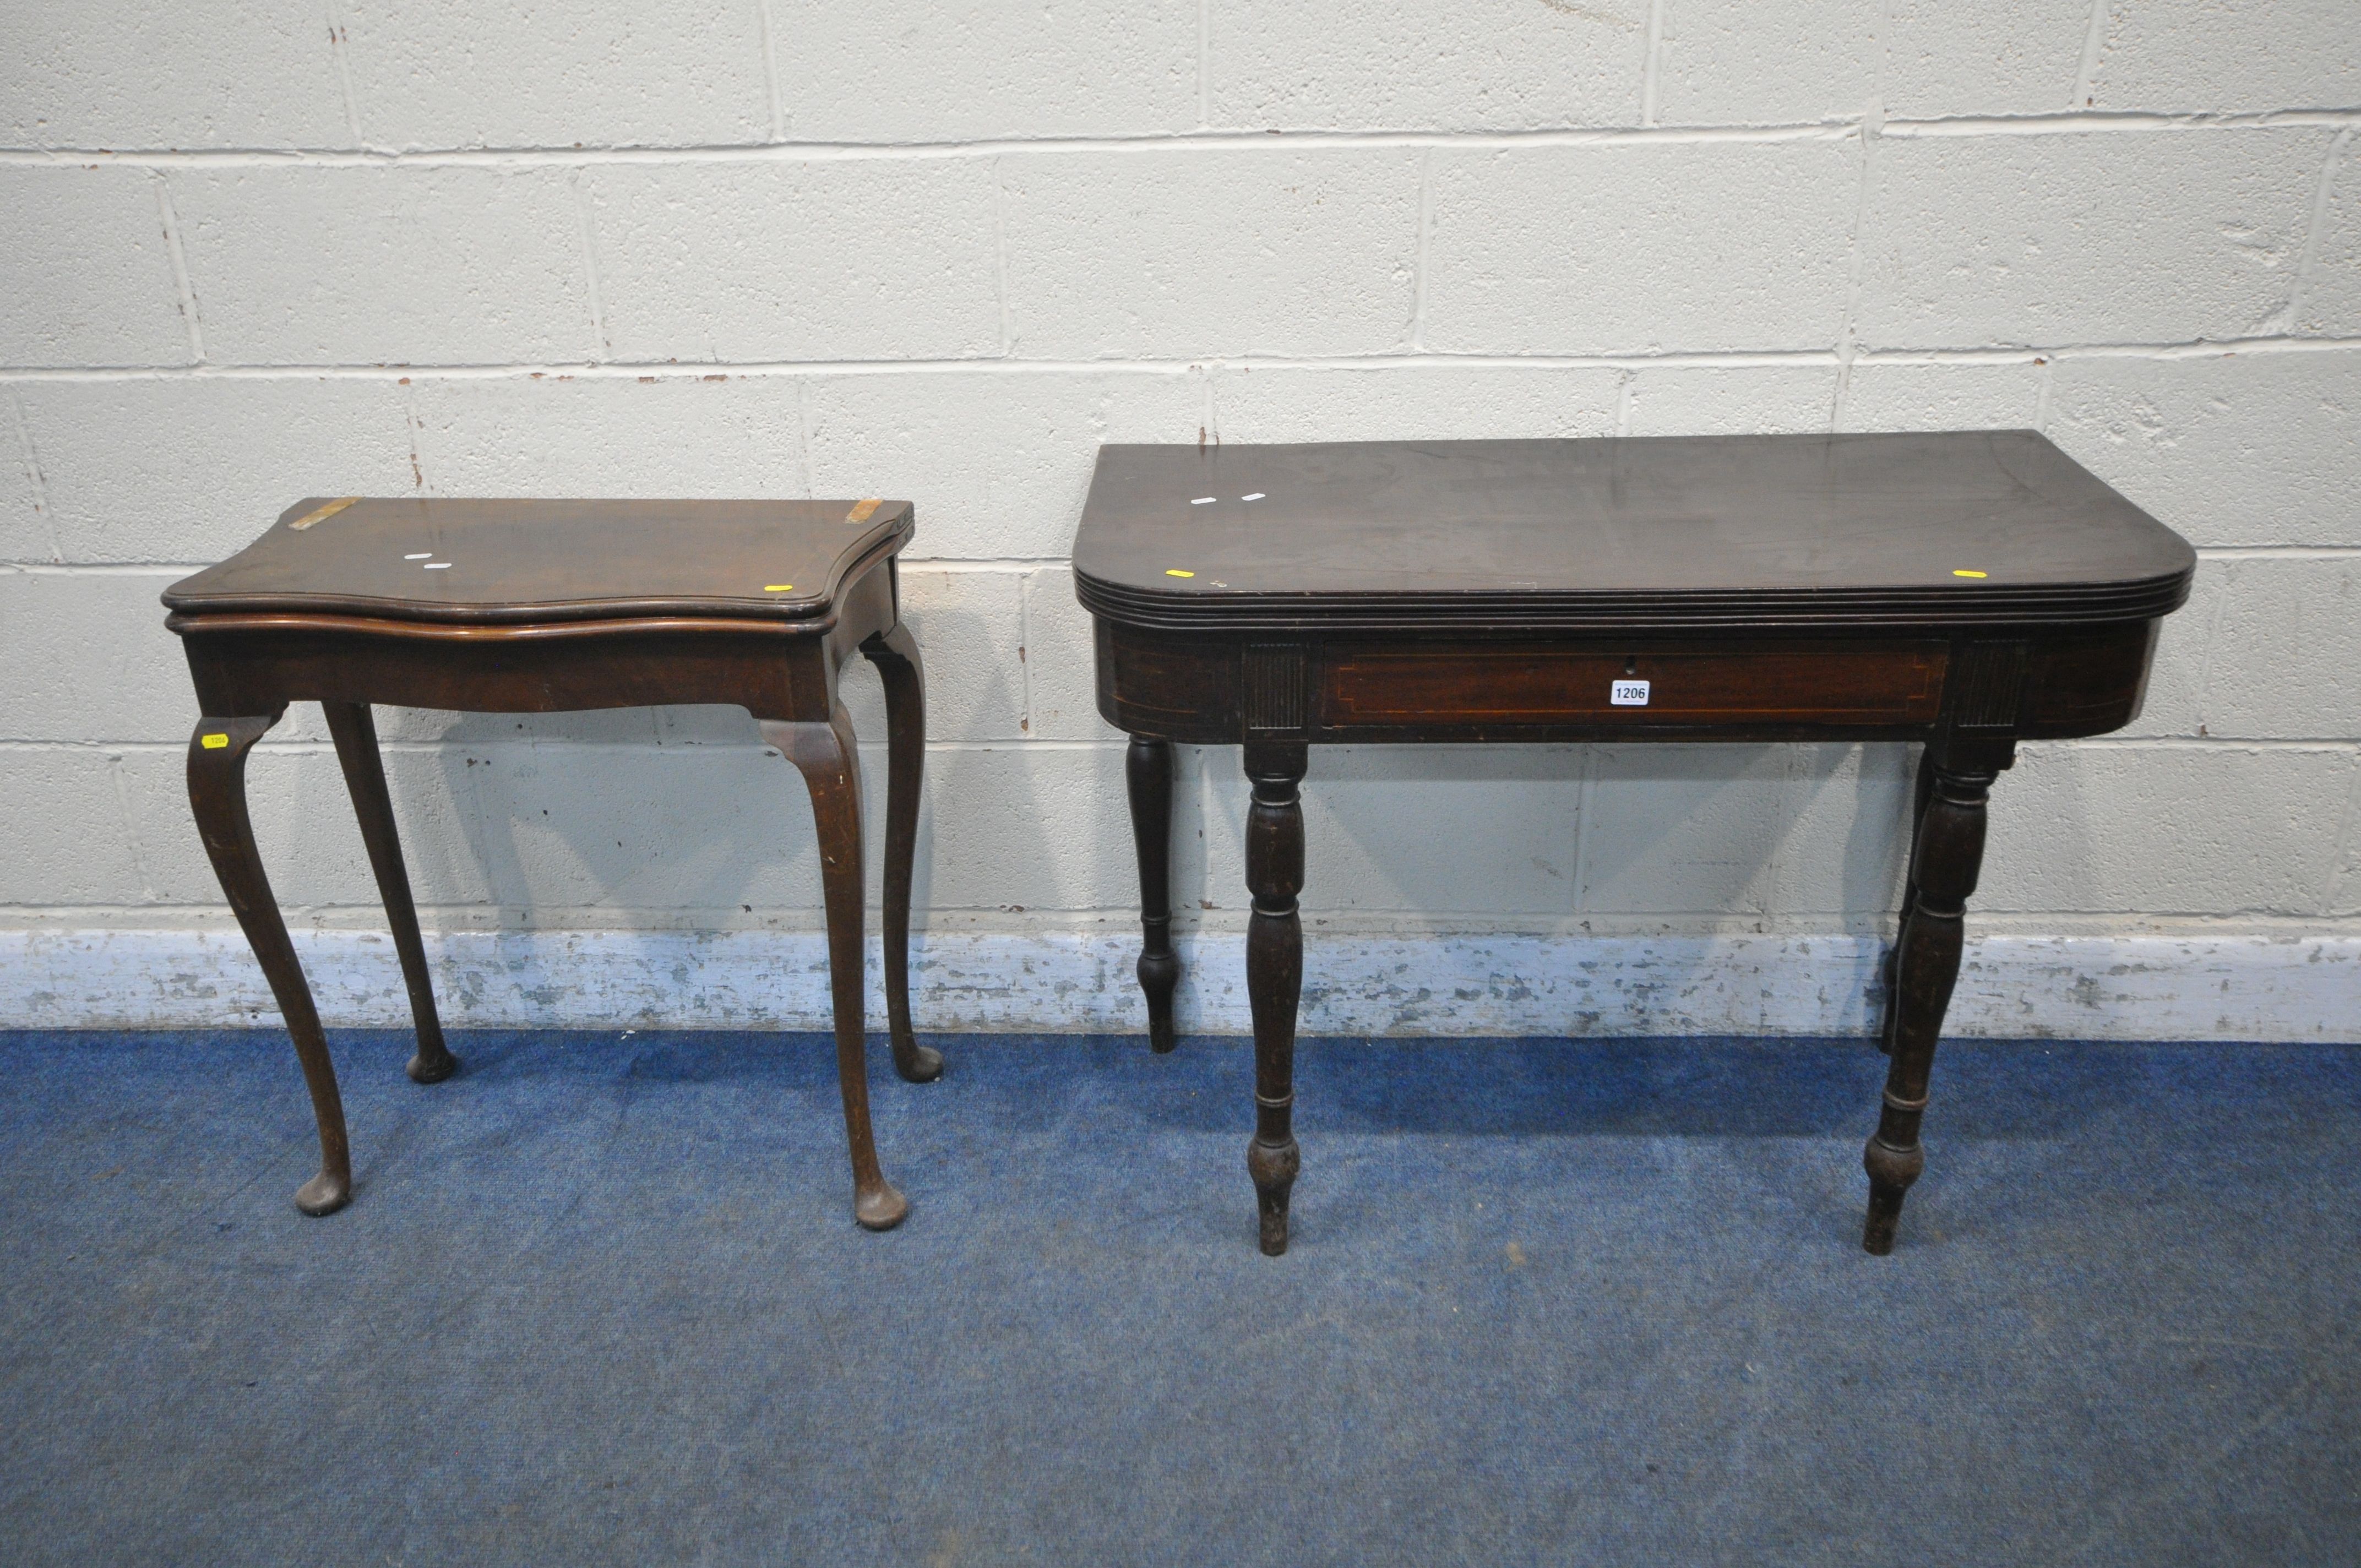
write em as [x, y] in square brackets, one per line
[506, 561]
[1934, 529]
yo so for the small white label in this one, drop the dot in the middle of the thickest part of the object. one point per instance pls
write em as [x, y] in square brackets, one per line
[1628, 693]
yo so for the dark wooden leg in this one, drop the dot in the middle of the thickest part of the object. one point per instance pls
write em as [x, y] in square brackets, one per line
[1943, 866]
[1274, 972]
[831, 769]
[896, 654]
[1148, 770]
[356, 736]
[218, 796]
[1925, 790]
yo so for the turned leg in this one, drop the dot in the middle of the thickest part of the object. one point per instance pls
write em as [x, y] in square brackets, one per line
[896, 654]
[1925, 792]
[218, 796]
[1148, 770]
[355, 737]
[1274, 973]
[1943, 865]
[831, 769]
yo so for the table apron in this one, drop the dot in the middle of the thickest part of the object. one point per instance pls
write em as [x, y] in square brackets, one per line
[1226, 689]
[257, 672]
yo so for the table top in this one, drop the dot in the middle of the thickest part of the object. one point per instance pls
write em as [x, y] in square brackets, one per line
[509, 562]
[1944, 527]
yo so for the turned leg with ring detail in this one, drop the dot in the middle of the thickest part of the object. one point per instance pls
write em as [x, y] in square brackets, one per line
[1147, 772]
[217, 796]
[1944, 860]
[355, 737]
[896, 654]
[830, 764]
[1923, 791]
[1274, 972]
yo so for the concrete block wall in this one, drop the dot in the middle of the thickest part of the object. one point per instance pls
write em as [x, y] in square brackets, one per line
[264, 248]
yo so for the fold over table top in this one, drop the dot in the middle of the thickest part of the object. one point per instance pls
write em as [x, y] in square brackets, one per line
[522, 562]
[1963, 528]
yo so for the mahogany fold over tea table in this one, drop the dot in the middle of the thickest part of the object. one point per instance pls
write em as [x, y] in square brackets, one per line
[548, 606]
[1961, 589]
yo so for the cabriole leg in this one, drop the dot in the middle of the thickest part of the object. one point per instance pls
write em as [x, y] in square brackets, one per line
[1943, 865]
[1147, 771]
[355, 737]
[831, 769]
[1274, 973]
[896, 654]
[218, 796]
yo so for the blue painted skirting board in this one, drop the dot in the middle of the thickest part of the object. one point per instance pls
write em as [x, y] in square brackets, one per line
[2132, 987]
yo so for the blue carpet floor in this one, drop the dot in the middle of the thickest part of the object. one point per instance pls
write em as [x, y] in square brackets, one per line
[600, 1300]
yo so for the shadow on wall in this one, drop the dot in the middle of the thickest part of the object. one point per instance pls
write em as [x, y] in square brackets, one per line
[1749, 833]
[2044, 830]
[679, 810]
[601, 810]
[679, 817]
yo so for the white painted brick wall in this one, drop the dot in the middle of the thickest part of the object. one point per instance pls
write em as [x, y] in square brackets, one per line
[778, 247]
[2330, 289]
[2236, 449]
[1985, 241]
[998, 461]
[2286, 651]
[1374, 65]
[25, 534]
[1060, 679]
[1261, 251]
[676, 436]
[184, 468]
[1640, 246]
[1943, 60]
[955, 73]
[86, 277]
[126, 74]
[88, 659]
[508, 73]
[1701, 399]
[1437, 400]
[385, 266]
[866, 259]
[2211, 56]
[1720, 64]
[2169, 829]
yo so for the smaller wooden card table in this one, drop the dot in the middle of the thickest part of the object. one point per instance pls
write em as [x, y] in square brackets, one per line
[1960, 589]
[549, 606]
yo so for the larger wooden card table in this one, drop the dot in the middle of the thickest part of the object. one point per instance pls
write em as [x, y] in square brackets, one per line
[1961, 589]
[548, 606]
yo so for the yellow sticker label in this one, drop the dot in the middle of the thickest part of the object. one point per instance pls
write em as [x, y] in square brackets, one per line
[1963, 572]
[316, 514]
[214, 742]
[1177, 572]
[863, 510]
[778, 588]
